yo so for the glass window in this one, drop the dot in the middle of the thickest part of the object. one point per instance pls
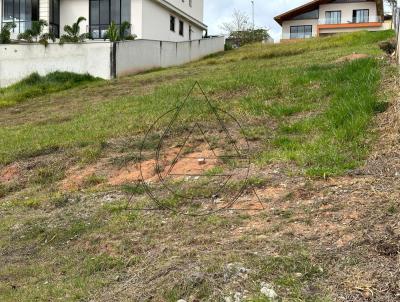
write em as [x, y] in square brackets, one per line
[103, 12]
[21, 12]
[333, 17]
[172, 23]
[361, 16]
[181, 27]
[301, 32]
[54, 22]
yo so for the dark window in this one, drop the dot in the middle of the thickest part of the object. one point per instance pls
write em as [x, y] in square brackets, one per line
[314, 14]
[103, 12]
[181, 28]
[333, 17]
[21, 12]
[301, 32]
[190, 32]
[361, 16]
[54, 22]
[172, 23]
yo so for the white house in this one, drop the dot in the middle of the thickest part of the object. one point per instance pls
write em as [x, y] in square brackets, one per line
[327, 17]
[165, 20]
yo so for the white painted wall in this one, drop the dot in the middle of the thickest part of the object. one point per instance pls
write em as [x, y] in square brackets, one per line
[71, 10]
[44, 12]
[196, 11]
[287, 24]
[140, 55]
[156, 24]
[17, 61]
[136, 16]
[347, 9]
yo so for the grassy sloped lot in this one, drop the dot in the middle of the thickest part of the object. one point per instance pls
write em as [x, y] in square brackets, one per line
[332, 104]
[311, 120]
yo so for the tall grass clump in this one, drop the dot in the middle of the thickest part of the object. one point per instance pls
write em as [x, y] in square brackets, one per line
[36, 85]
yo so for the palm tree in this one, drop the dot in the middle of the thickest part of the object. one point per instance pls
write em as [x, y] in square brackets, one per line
[73, 32]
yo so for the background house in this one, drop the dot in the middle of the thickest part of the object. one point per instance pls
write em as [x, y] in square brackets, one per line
[326, 17]
[166, 20]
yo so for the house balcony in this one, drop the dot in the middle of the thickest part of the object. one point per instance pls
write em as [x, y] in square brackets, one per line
[371, 21]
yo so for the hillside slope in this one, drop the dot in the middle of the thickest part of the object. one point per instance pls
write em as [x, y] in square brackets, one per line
[321, 119]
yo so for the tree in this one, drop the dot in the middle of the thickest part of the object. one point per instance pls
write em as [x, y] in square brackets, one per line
[239, 22]
[240, 31]
[73, 32]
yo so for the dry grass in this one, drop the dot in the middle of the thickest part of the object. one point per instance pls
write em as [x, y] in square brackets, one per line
[332, 239]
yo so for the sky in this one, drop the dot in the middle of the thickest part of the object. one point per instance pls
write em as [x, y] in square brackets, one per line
[217, 12]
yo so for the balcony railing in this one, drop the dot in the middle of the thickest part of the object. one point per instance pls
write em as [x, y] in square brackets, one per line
[370, 19]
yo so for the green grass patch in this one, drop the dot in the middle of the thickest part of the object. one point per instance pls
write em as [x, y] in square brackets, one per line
[302, 106]
[36, 85]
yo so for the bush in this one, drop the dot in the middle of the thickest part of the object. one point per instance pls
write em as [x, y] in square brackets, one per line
[5, 33]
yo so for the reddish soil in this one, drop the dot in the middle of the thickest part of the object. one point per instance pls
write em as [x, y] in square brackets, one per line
[352, 57]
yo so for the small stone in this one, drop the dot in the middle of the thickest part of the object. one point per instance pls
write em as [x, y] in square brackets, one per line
[181, 300]
[268, 291]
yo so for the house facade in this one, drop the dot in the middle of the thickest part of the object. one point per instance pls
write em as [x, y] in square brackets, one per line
[324, 17]
[165, 20]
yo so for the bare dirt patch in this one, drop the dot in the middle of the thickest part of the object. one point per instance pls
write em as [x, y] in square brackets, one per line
[10, 173]
[352, 57]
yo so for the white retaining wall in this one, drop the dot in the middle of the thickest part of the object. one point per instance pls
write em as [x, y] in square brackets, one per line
[18, 61]
[140, 55]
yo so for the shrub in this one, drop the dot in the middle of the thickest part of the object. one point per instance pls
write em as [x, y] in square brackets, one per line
[114, 34]
[5, 33]
[73, 34]
[35, 33]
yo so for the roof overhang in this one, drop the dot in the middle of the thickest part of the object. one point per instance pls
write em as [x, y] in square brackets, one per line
[314, 5]
[180, 12]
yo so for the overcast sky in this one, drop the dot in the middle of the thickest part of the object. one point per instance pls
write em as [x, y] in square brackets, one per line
[219, 11]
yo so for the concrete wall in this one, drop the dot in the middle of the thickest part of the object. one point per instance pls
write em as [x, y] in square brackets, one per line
[19, 61]
[136, 56]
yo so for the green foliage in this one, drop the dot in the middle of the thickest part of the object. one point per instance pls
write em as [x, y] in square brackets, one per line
[36, 85]
[73, 34]
[121, 33]
[240, 38]
[112, 33]
[302, 106]
[35, 33]
[5, 33]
